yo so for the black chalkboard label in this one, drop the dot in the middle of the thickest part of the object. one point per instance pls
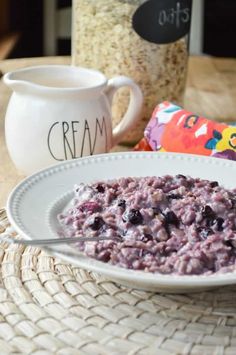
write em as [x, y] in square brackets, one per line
[162, 21]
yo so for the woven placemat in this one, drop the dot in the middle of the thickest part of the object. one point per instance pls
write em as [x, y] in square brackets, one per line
[50, 307]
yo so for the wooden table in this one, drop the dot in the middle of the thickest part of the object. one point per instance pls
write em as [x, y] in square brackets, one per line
[211, 92]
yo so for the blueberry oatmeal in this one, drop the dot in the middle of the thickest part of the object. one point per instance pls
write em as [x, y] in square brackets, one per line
[170, 224]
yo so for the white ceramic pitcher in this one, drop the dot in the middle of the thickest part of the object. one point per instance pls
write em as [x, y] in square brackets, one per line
[59, 112]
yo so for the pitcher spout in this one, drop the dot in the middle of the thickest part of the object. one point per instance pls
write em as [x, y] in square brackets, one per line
[14, 82]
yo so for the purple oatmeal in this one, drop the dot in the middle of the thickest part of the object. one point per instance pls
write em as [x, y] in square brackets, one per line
[169, 225]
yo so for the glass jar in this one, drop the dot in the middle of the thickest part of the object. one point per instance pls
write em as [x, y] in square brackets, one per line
[104, 38]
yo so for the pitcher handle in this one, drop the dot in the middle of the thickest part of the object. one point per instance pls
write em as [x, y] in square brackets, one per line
[134, 109]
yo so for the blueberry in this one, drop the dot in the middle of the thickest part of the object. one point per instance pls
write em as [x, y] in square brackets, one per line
[100, 188]
[219, 223]
[204, 232]
[180, 176]
[233, 202]
[97, 223]
[167, 229]
[90, 206]
[105, 256]
[171, 218]
[174, 196]
[214, 184]
[121, 203]
[230, 243]
[146, 238]
[207, 212]
[134, 216]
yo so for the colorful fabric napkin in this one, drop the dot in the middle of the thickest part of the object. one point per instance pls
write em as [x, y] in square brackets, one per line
[173, 129]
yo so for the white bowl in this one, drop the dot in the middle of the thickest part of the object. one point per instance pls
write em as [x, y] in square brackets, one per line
[34, 204]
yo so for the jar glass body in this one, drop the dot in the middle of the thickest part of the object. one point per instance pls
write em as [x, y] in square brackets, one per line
[103, 38]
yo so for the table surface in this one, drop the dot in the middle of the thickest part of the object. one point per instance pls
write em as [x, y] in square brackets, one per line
[210, 91]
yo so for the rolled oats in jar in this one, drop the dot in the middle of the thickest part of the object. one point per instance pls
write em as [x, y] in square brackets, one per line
[143, 39]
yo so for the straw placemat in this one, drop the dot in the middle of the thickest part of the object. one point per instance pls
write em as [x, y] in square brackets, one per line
[50, 307]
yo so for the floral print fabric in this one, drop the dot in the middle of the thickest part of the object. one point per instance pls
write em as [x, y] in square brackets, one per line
[173, 129]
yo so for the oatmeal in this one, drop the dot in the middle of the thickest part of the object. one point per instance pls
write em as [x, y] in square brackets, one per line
[170, 224]
[103, 38]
